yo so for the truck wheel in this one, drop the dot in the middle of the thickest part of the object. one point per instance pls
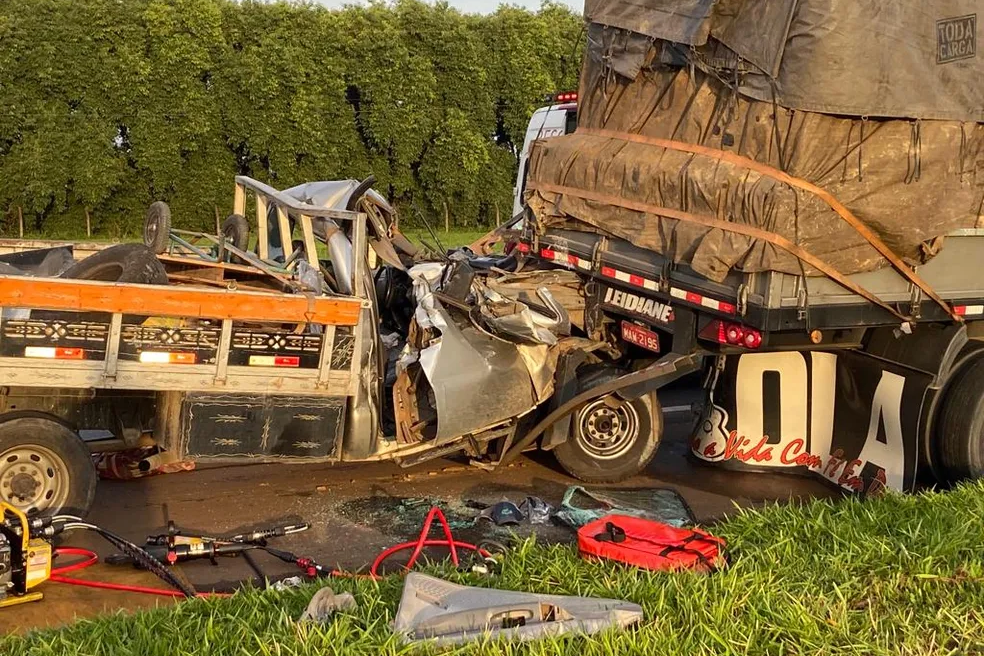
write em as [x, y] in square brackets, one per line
[235, 230]
[611, 439]
[120, 263]
[157, 227]
[960, 437]
[45, 467]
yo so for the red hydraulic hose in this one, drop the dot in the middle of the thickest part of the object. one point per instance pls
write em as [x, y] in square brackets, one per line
[422, 541]
[418, 545]
[373, 571]
[91, 558]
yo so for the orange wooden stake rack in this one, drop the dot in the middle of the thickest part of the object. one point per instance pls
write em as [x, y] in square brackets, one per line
[176, 301]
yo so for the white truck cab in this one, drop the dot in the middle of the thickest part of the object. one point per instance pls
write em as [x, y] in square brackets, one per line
[551, 121]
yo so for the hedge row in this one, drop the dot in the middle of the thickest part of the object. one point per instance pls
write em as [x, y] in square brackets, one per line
[107, 105]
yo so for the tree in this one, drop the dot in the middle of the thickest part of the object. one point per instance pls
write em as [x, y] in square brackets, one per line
[107, 105]
[533, 55]
[283, 92]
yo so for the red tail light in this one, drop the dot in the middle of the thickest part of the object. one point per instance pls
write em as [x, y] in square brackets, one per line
[753, 338]
[732, 334]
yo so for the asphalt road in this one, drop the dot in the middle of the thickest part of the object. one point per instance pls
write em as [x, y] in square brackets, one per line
[355, 511]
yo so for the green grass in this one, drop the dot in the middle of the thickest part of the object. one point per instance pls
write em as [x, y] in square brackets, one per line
[896, 575]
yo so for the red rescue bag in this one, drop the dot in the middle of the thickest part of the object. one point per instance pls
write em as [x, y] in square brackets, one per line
[651, 545]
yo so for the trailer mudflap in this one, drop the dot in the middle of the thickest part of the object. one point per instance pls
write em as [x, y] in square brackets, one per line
[848, 417]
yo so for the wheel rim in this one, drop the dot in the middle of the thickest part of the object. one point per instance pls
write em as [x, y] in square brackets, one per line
[151, 228]
[606, 430]
[33, 478]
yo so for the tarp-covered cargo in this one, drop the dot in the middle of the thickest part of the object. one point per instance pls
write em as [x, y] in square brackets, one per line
[706, 108]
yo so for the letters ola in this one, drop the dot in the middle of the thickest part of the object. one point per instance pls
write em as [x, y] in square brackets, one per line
[813, 411]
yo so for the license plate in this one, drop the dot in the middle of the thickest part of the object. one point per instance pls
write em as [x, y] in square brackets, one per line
[636, 334]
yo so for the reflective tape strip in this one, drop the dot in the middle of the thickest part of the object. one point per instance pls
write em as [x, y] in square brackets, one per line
[969, 310]
[39, 351]
[566, 259]
[274, 361]
[703, 301]
[630, 278]
[570, 260]
[167, 357]
[54, 352]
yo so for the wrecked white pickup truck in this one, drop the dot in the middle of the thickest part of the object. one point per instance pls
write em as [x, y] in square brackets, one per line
[221, 353]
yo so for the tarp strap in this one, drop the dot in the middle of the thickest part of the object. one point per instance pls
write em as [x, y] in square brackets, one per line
[799, 183]
[711, 222]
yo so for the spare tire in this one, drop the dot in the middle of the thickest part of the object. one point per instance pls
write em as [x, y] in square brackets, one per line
[235, 230]
[10, 270]
[157, 227]
[120, 263]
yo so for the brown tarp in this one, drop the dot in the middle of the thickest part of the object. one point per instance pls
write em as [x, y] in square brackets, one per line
[885, 58]
[909, 180]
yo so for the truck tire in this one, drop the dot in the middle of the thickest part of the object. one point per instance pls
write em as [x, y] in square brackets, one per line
[157, 227]
[9, 270]
[235, 230]
[120, 263]
[611, 439]
[45, 467]
[960, 438]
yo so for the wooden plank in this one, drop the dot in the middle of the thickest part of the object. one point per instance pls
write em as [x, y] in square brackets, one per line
[324, 360]
[190, 261]
[258, 265]
[239, 200]
[310, 246]
[113, 346]
[231, 284]
[88, 374]
[265, 267]
[204, 274]
[261, 226]
[358, 255]
[9, 245]
[165, 301]
[222, 357]
[285, 234]
[194, 280]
